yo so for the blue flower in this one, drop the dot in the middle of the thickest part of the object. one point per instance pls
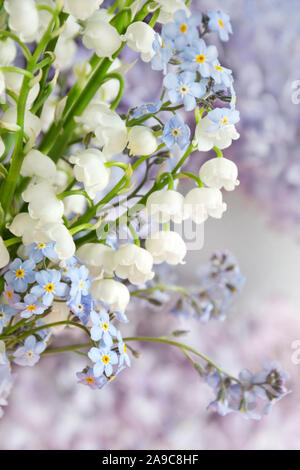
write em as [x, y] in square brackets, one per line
[29, 354]
[49, 285]
[221, 75]
[86, 377]
[183, 30]
[184, 87]
[102, 328]
[221, 117]
[176, 132]
[220, 22]
[199, 57]
[163, 53]
[146, 109]
[38, 251]
[10, 295]
[30, 306]
[20, 274]
[80, 284]
[104, 360]
[123, 351]
[6, 313]
[67, 265]
[83, 308]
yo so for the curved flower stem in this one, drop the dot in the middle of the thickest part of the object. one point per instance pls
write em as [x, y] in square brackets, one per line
[72, 347]
[218, 152]
[10, 68]
[189, 175]
[134, 234]
[121, 81]
[12, 241]
[160, 287]
[75, 192]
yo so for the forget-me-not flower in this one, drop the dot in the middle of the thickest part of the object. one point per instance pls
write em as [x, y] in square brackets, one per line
[184, 87]
[87, 377]
[123, 351]
[183, 30]
[219, 21]
[80, 284]
[48, 286]
[20, 274]
[145, 109]
[104, 360]
[199, 57]
[83, 308]
[102, 328]
[29, 354]
[30, 306]
[163, 53]
[6, 312]
[221, 117]
[176, 132]
[221, 75]
[38, 251]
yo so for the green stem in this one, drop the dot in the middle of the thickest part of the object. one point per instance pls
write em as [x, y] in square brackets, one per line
[134, 234]
[23, 47]
[218, 152]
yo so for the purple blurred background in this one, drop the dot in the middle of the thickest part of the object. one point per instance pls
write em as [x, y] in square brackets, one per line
[161, 402]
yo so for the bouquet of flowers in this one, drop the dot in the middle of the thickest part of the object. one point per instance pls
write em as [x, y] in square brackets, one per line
[79, 240]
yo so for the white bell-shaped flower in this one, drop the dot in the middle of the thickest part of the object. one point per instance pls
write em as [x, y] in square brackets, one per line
[23, 18]
[8, 51]
[13, 82]
[4, 255]
[43, 203]
[166, 246]
[59, 312]
[64, 243]
[100, 35]
[64, 51]
[141, 141]
[90, 169]
[48, 112]
[168, 8]
[140, 37]
[200, 203]
[45, 17]
[110, 89]
[74, 204]
[81, 9]
[32, 124]
[219, 172]
[221, 138]
[165, 205]
[37, 164]
[134, 263]
[109, 128]
[98, 258]
[24, 226]
[113, 293]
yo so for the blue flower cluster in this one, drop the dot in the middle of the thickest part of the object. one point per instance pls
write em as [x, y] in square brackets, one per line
[220, 283]
[251, 395]
[198, 79]
[33, 285]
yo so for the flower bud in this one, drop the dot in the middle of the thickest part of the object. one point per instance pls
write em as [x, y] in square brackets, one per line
[218, 173]
[4, 255]
[98, 258]
[113, 293]
[166, 247]
[32, 124]
[36, 163]
[81, 9]
[141, 141]
[134, 263]
[140, 37]
[59, 312]
[100, 35]
[8, 51]
[43, 203]
[74, 204]
[165, 205]
[200, 203]
[90, 169]
[23, 18]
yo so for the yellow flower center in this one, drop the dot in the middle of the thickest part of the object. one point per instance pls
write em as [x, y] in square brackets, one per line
[20, 273]
[49, 287]
[183, 28]
[163, 45]
[31, 308]
[217, 67]
[176, 132]
[29, 354]
[224, 121]
[111, 378]
[80, 285]
[9, 294]
[105, 359]
[124, 349]
[90, 380]
[221, 23]
[183, 89]
[41, 246]
[104, 326]
[200, 58]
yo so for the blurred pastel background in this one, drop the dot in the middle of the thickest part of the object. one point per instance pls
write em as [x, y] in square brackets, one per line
[160, 403]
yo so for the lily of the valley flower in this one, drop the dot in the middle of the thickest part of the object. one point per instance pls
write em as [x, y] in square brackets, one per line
[166, 246]
[134, 263]
[4, 254]
[81, 10]
[100, 35]
[113, 293]
[98, 258]
[200, 203]
[219, 173]
[141, 141]
[140, 37]
[90, 169]
[37, 164]
[221, 138]
[165, 205]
